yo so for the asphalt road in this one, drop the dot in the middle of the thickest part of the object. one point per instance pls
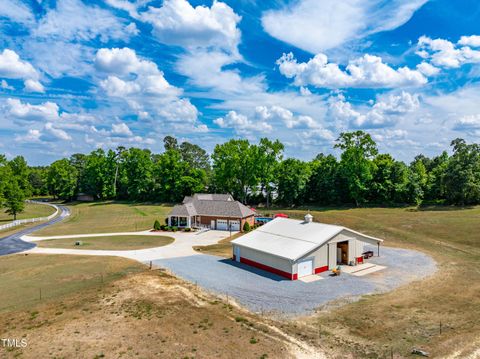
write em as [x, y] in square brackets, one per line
[13, 244]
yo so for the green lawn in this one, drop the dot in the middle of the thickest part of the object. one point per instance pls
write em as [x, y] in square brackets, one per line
[410, 316]
[106, 217]
[109, 243]
[24, 278]
[31, 211]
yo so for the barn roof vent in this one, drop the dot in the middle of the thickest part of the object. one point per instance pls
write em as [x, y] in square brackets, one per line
[308, 218]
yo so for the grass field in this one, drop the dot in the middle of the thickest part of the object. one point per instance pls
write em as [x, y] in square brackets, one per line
[373, 327]
[132, 313]
[410, 316]
[109, 243]
[106, 217]
[23, 277]
[222, 249]
[31, 211]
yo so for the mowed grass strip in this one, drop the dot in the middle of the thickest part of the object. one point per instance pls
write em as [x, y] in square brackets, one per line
[222, 249]
[411, 316]
[109, 242]
[108, 217]
[32, 210]
[27, 280]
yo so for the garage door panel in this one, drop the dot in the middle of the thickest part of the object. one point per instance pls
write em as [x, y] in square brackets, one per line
[222, 224]
[235, 225]
[305, 268]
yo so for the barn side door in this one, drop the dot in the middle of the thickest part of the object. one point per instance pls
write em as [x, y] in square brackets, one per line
[332, 256]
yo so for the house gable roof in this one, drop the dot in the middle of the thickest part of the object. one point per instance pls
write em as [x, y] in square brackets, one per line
[292, 239]
[216, 205]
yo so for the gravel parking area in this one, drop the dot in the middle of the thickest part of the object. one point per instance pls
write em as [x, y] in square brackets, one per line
[261, 291]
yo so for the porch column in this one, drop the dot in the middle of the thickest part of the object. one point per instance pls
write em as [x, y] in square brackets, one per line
[189, 221]
[169, 221]
[378, 249]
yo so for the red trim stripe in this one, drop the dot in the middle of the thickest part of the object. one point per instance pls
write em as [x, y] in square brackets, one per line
[321, 269]
[268, 268]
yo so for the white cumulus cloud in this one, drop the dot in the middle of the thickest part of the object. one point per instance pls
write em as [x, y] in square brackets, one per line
[364, 72]
[54, 133]
[28, 112]
[385, 112]
[242, 124]
[12, 67]
[34, 86]
[444, 53]
[121, 129]
[177, 22]
[468, 122]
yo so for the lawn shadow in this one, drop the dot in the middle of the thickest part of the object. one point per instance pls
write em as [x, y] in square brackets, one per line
[253, 270]
[439, 208]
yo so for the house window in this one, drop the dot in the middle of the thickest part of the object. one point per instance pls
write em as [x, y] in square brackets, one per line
[174, 221]
[182, 222]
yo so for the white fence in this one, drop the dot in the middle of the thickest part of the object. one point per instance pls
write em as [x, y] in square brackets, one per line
[31, 220]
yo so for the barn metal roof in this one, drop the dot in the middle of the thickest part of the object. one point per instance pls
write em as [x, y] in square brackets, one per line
[290, 238]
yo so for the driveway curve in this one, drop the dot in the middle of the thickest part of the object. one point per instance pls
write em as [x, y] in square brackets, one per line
[14, 244]
[181, 247]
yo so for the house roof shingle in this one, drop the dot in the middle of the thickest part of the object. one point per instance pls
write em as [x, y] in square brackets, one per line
[219, 205]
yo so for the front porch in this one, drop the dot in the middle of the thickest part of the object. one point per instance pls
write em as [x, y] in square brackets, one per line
[184, 221]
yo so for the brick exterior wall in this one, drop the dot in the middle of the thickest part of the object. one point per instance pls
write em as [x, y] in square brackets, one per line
[207, 220]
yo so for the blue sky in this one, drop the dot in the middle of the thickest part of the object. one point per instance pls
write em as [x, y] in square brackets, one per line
[77, 75]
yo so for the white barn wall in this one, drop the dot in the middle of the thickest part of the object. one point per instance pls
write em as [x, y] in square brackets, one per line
[320, 258]
[266, 259]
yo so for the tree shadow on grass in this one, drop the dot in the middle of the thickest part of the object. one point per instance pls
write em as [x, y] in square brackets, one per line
[439, 208]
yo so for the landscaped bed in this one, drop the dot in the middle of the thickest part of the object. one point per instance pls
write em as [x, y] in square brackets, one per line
[130, 242]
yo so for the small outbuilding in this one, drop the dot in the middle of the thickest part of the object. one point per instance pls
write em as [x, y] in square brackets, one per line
[294, 248]
[85, 197]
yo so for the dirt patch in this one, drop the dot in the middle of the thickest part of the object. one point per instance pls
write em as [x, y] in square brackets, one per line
[144, 315]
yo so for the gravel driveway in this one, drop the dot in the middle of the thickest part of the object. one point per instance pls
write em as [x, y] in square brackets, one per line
[265, 292]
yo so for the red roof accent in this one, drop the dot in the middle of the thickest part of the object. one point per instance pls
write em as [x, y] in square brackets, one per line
[281, 215]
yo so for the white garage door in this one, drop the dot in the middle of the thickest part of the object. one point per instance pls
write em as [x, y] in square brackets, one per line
[305, 268]
[222, 224]
[235, 225]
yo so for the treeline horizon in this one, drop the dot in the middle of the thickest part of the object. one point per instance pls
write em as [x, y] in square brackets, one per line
[254, 173]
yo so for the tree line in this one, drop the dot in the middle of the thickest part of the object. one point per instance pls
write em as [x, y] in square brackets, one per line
[253, 173]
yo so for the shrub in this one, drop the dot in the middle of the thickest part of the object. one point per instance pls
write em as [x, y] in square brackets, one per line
[168, 228]
[187, 229]
[163, 227]
[246, 227]
[174, 228]
[156, 225]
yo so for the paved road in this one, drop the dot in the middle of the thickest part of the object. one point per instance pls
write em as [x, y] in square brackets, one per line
[13, 244]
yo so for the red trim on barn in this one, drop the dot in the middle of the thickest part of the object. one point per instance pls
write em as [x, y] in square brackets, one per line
[321, 269]
[268, 268]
